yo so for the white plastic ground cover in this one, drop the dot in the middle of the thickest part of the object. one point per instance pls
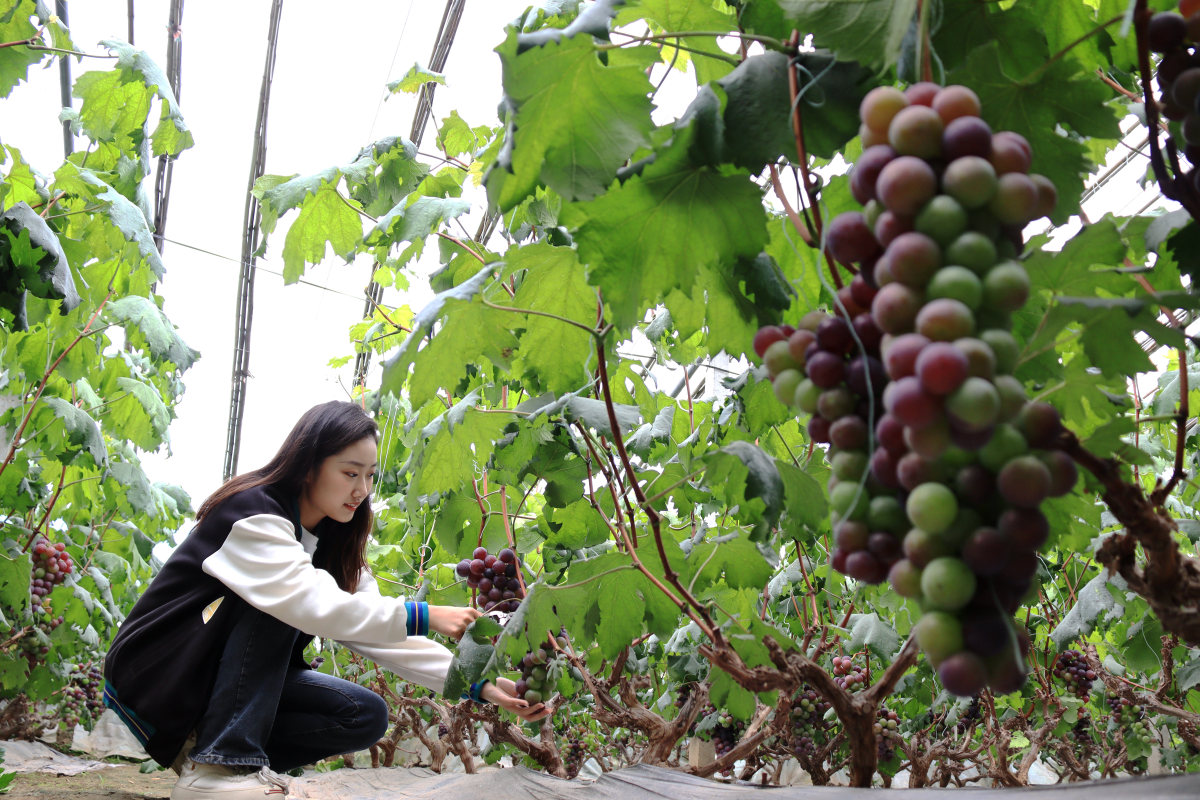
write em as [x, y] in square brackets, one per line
[655, 783]
[22, 756]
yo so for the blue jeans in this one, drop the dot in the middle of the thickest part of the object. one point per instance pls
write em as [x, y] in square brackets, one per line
[265, 711]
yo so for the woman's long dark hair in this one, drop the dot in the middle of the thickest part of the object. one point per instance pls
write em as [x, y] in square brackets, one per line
[323, 431]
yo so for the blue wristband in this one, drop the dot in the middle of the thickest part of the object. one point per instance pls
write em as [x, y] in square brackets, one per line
[476, 691]
[417, 623]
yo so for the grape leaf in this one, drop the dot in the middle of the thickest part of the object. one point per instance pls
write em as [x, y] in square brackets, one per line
[867, 31]
[145, 323]
[657, 230]
[1094, 599]
[552, 354]
[869, 630]
[571, 120]
[449, 457]
[124, 215]
[142, 417]
[740, 472]
[15, 25]
[50, 275]
[81, 430]
[172, 135]
[416, 77]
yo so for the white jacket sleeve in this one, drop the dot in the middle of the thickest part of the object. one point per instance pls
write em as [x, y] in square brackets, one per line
[415, 659]
[262, 562]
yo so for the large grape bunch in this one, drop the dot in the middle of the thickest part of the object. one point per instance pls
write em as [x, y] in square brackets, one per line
[51, 566]
[1177, 37]
[495, 579]
[936, 473]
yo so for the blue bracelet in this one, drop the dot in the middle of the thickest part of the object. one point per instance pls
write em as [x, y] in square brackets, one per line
[417, 623]
[476, 691]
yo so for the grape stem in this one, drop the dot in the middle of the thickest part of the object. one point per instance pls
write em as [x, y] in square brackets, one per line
[802, 162]
[1172, 186]
[1169, 582]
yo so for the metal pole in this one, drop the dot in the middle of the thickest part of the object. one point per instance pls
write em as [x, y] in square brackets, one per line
[250, 231]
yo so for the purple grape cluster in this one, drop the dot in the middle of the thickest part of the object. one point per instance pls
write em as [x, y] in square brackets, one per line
[808, 722]
[495, 579]
[847, 675]
[538, 670]
[939, 461]
[726, 734]
[51, 566]
[1130, 717]
[82, 696]
[1177, 37]
[885, 720]
[1072, 669]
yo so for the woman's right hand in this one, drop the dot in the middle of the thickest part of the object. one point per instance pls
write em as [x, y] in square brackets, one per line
[451, 621]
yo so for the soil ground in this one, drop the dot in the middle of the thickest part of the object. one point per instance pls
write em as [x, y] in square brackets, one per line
[117, 783]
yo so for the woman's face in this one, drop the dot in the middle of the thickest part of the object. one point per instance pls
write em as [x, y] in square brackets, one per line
[343, 480]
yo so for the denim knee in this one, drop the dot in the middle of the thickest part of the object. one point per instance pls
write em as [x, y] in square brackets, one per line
[374, 718]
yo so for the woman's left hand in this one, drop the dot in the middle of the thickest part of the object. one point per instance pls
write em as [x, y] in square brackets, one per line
[503, 692]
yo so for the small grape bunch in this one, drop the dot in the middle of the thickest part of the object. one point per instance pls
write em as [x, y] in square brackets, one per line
[885, 720]
[496, 579]
[1177, 37]
[1130, 718]
[726, 734]
[1081, 731]
[82, 696]
[51, 566]
[574, 755]
[539, 670]
[808, 722]
[848, 676]
[1072, 669]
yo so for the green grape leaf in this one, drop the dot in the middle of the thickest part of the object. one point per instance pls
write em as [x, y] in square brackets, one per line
[326, 218]
[15, 25]
[414, 222]
[138, 492]
[172, 136]
[15, 576]
[805, 502]
[758, 112]
[679, 15]
[471, 657]
[869, 630]
[126, 217]
[553, 354]
[739, 472]
[81, 430]
[571, 120]
[867, 31]
[471, 332]
[413, 80]
[49, 275]
[735, 558]
[449, 458]
[659, 229]
[1094, 600]
[146, 325]
[142, 417]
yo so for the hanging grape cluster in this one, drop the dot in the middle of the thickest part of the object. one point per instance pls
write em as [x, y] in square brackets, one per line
[539, 670]
[885, 720]
[494, 578]
[51, 566]
[847, 675]
[1073, 670]
[726, 734]
[1130, 718]
[1177, 37]
[808, 722]
[939, 461]
[82, 696]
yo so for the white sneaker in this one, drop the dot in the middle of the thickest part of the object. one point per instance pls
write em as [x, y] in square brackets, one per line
[216, 782]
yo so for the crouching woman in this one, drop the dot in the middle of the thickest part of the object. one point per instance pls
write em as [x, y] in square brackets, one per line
[208, 670]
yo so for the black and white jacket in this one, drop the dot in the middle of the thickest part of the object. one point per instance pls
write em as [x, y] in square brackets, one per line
[161, 666]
